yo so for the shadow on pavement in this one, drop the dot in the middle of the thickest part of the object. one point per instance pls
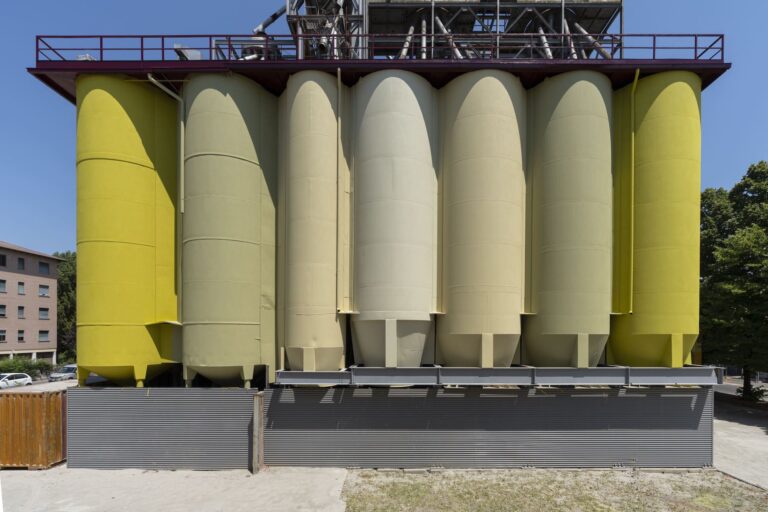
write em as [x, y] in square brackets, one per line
[728, 409]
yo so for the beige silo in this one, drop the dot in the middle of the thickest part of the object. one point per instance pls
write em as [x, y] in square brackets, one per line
[483, 119]
[395, 217]
[570, 224]
[311, 167]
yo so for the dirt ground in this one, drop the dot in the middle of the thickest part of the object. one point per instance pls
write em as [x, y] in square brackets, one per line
[550, 490]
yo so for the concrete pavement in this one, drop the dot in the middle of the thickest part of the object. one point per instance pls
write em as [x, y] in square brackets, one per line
[741, 442]
[84, 490]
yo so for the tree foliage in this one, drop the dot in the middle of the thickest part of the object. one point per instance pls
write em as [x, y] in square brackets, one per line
[734, 270]
[67, 304]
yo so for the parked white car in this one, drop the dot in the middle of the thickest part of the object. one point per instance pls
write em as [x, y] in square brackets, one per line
[64, 373]
[12, 380]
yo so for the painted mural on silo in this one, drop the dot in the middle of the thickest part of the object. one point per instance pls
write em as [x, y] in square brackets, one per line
[126, 229]
[483, 123]
[310, 152]
[570, 224]
[229, 229]
[659, 179]
[395, 218]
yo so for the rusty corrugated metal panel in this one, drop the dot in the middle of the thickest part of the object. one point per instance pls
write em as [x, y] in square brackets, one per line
[32, 429]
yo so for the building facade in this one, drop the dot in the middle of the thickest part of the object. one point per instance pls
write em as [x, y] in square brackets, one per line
[28, 291]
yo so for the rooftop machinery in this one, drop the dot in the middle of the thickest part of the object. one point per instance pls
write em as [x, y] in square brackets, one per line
[434, 29]
[396, 192]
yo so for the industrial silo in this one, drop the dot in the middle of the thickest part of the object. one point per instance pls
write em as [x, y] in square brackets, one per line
[570, 187]
[311, 167]
[126, 196]
[658, 141]
[229, 228]
[395, 217]
[483, 122]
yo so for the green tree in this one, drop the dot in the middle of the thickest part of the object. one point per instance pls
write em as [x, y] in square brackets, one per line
[734, 291]
[67, 304]
[717, 223]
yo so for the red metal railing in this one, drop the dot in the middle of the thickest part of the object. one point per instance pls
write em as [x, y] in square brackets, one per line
[161, 48]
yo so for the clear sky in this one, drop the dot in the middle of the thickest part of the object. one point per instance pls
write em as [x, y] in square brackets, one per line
[37, 127]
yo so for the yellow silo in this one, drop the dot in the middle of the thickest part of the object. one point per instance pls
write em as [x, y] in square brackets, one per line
[126, 229]
[657, 196]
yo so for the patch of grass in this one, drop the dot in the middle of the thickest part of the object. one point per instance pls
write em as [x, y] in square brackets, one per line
[549, 490]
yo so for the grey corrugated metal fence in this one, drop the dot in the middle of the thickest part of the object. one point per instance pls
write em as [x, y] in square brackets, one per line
[380, 427]
[468, 428]
[159, 428]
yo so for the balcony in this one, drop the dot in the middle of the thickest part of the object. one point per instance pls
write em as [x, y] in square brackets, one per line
[270, 59]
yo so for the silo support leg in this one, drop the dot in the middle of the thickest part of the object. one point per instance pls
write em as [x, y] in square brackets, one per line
[140, 374]
[486, 350]
[246, 373]
[82, 376]
[675, 351]
[188, 375]
[581, 357]
[308, 359]
[390, 343]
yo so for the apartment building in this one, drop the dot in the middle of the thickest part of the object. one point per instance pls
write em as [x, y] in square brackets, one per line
[28, 290]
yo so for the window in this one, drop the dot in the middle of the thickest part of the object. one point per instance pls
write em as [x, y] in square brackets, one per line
[3, 261]
[2, 335]
[43, 314]
[20, 336]
[44, 268]
[2, 285]
[21, 290]
[42, 336]
[2, 310]
[20, 312]
[20, 264]
[44, 291]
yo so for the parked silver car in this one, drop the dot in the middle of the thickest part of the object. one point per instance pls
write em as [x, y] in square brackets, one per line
[12, 380]
[64, 373]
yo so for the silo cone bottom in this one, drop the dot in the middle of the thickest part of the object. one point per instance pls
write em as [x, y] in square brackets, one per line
[314, 359]
[652, 350]
[136, 375]
[564, 350]
[390, 343]
[222, 375]
[485, 350]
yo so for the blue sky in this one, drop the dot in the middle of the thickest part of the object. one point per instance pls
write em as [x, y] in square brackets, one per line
[37, 127]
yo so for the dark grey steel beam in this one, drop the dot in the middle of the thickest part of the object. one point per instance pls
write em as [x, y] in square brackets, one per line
[600, 376]
[688, 376]
[294, 378]
[366, 376]
[515, 376]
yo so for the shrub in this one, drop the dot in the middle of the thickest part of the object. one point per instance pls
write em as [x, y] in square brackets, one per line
[755, 394]
[34, 369]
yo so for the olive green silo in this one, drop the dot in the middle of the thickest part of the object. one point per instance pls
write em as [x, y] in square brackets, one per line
[310, 153]
[570, 224]
[229, 228]
[395, 217]
[483, 122]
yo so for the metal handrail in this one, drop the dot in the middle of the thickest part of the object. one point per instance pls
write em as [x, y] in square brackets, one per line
[289, 47]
